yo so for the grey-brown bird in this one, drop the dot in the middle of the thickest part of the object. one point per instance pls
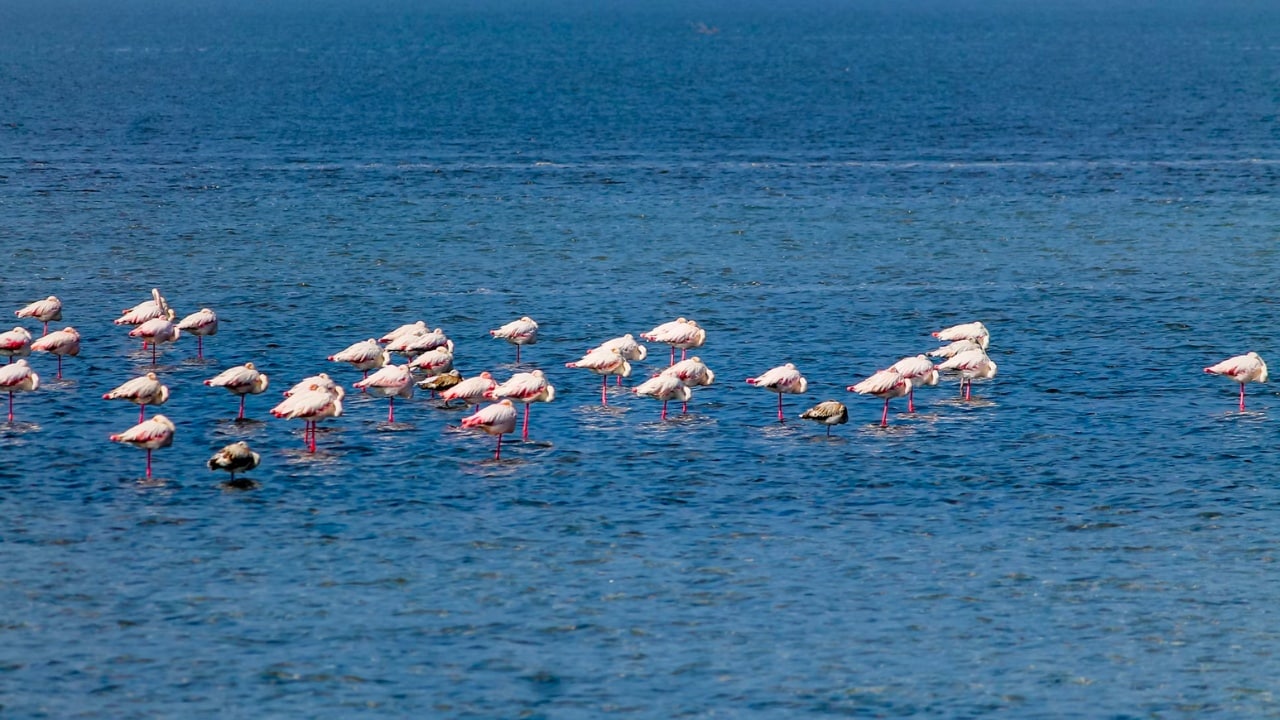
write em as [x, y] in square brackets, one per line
[441, 382]
[235, 458]
[831, 412]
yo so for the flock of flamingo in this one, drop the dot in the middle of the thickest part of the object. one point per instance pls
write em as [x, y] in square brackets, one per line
[428, 365]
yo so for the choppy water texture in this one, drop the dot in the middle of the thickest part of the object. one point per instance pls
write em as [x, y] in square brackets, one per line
[1093, 535]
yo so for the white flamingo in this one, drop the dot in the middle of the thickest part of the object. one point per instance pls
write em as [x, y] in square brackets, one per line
[390, 381]
[1243, 369]
[527, 388]
[518, 332]
[886, 385]
[201, 324]
[782, 379]
[496, 419]
[145, 390]
[241, 380]
[604, 363]
[15, 378]
[149, 435]
[43, 311]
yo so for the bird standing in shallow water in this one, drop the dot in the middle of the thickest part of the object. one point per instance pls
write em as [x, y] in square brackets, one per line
[149, 435]
[970, 364]
[17, 377]
[830, 412]
[156, 331]
[885, 384]
[782, 379]
[62, 342]
[156, 307]
[693, 373]
[201, 323]
[526, 388]
[603, 362]
[1243, 369]
[391, 381]
[363, 356]
[496, 419]
[471, 391]
[43, 311]
[518, 332]
[235, 458]
[145, 390]
[240, 380]
[665, 388]
[920, 371]
[311, 405]
[15, 343]
[679, 333]
[975, 331]
[627, 348]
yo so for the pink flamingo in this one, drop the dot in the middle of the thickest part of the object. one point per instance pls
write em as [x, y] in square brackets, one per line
[518, 332]
[885, 384]
[665, 388]
[322, 381]
[434, 362]
[241, 380]
[43, 311]
[145, 390]
[604, 363]
[311, 406]
[496, 419]
[202, 323]
[390, 381]
[970, 364]
[782, 379]
[156, 307]
[417, 328]
[18, 377]
[1243, 369]
[679, 333]
[974, 331]
[62, 342]
[471, 391]
[693, 373]
[363, 356]
[527, 388]
[149, 435]
[920, 371]
[156, 331]
[15, 343]
[627, 348]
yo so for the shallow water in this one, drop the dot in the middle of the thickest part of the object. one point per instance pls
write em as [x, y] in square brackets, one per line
[1091, 535]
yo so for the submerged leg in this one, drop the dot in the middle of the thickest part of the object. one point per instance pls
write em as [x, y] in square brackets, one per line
[781, 417]
[524, 431]
[884, 416]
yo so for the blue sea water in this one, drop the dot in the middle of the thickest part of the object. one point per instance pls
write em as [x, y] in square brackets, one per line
[824, 183]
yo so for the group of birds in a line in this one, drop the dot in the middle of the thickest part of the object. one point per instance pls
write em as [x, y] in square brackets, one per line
[429, 352]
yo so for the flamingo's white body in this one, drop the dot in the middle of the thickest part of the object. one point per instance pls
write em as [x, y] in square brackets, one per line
[201, 323]
[603, 362]
[416, 328]
[15, 343]
[970, 364]
[920, 371]
[145, 390]
[955, 348]
[886, 385]
[1243, 369]
[241, 380]
[518, 332]
[415, 345]
[693, 373]
[42, 311]
[311, 406]
[434, 362]
[149, 435]
[156, 307]
[974, 331]
[156, 331]
[679, 333]
[471, 391]
[390, 381]
[322, 381]
[665, 388]
[782, 379]
[15, 378]
[496, 419]
[363, 356]
[829, 413]
[527, 388]
[60, 343]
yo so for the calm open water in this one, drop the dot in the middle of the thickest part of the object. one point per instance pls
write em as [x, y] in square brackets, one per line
[1093, 536]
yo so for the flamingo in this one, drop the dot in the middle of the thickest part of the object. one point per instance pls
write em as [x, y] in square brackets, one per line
[693, 373]
[974, 331]
[440, 383]
[62, 342]
[496, 419]
[886, 385]
[527, 388]
[1243, 369]
[43, 311]
[920, 371]
[415, 345]
[240, 380]
[416, 328]
[363, 356]
[518, 332]
[18, 377]
[235, 458]
[679, 333]
[145, 390]
[15, 343]
[782, 379]
[627, 348]
[955, 348]
[830, 412]
[156, 307]
[150, 435]
[471, 391]
[665, 388]
[156, 331]
[311, 405]
[321, 381]
[201, 323]
[970, 364]
[391, 381]
[603, 363]
[435, 361]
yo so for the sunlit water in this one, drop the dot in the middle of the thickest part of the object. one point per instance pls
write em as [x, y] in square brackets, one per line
[1092, 535]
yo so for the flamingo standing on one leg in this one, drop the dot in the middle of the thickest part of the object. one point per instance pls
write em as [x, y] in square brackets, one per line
[975, 331]
[59, 343]
[665, 388]
[201, 323]
[886, 385]
[156, 307]
[363, 356]
[145, 390]
[782, 379]
[391, 381]
[156, 331]
[416, 328]
[496, 419]
[604, 363]
[15, 343]
[311, 405]
[149, 435]
[471, 391]
[434, 362]
[693, 373]
[518, 332]
[15, 378]
[43, 311]
[1243, 369]
[241, 380]
[970, 364]
[830, 412]
[322, 381]
[627, 348]
[920, 371]
[679, 333]
[527, 388]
